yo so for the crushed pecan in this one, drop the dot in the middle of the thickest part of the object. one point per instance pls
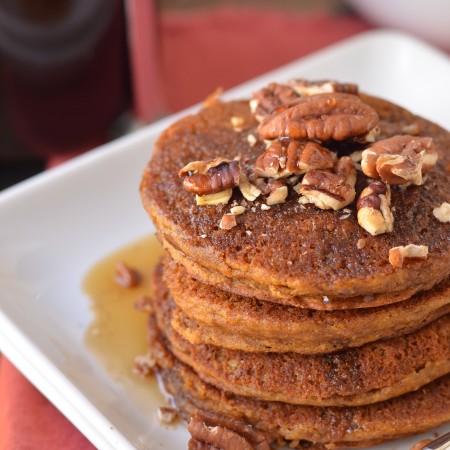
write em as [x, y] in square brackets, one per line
[442, 212]
[221, 432]
[329, 190]
[126, 276]
[203, 178]
[283, 159]
[248, 190]
[397, 255]
[400, 159]
[167, 415]
[144, 365]
[373, 205]
[144, 303]
[278, 195]
[219, 198]
[228, 222]
[321, 117]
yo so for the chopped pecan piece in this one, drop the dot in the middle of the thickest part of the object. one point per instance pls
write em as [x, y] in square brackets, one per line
[224, 433]
[321, 117]
[237, 210]
[373, 205]
[400, 159]
[329, 190]
[203, 178]
[126, 276]
[144, 303]
[167, 414]
[278, 195]
[283, 159]
[442, 212]
[219, 198]
[248, 190]
[397, 255]
[228, 222]
[144, 365]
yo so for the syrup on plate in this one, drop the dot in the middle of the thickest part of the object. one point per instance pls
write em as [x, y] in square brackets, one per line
[117, 333]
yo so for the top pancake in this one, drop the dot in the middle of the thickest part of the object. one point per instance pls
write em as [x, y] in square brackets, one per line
[290, 251]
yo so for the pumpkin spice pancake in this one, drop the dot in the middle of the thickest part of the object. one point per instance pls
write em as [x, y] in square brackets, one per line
[355, 376]
[304, 425]
[206, 314]
[242, 217]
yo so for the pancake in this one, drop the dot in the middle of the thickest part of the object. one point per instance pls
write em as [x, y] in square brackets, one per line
[293, 253]
[209, 315]
[411, 413]
[358, 376]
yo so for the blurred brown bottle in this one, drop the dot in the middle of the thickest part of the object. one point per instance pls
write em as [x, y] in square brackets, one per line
[64, 73]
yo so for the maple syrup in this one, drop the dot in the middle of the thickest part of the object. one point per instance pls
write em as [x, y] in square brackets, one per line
[118, 331]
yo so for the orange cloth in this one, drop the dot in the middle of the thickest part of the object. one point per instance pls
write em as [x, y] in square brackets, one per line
[28, 420]
[200, 52]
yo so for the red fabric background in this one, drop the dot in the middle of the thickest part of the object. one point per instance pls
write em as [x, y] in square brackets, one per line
[199, 52]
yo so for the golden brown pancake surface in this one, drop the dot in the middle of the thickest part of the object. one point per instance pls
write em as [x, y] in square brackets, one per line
[290, 250]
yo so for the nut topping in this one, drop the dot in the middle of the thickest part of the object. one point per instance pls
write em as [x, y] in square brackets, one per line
[442, 212]
[126, 276]
[374, 214]
[221, 432]
[397, 255]
[228, 222]
[292, 158]
[278, 195]
[269, 98]
[248, 190]
[321, 117]
[305, 87]
[203, 178]
[400, 159]
[167, 414]
[329, 190]
[144, 365]
[219, 198]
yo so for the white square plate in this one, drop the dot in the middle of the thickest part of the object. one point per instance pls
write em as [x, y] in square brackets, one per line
[54, 227]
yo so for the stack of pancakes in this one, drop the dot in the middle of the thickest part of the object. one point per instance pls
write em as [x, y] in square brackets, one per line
[294, 320]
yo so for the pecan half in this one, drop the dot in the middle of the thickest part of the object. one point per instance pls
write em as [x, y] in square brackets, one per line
[305, 87]
[224, 433]
[400, 159]
[321, 117]
[329, 190]
[373, 205]
[397, 255]
[283, 159]
[269, 98]
[210, 177]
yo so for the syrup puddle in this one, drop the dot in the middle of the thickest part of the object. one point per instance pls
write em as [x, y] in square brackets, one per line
[118, 331]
